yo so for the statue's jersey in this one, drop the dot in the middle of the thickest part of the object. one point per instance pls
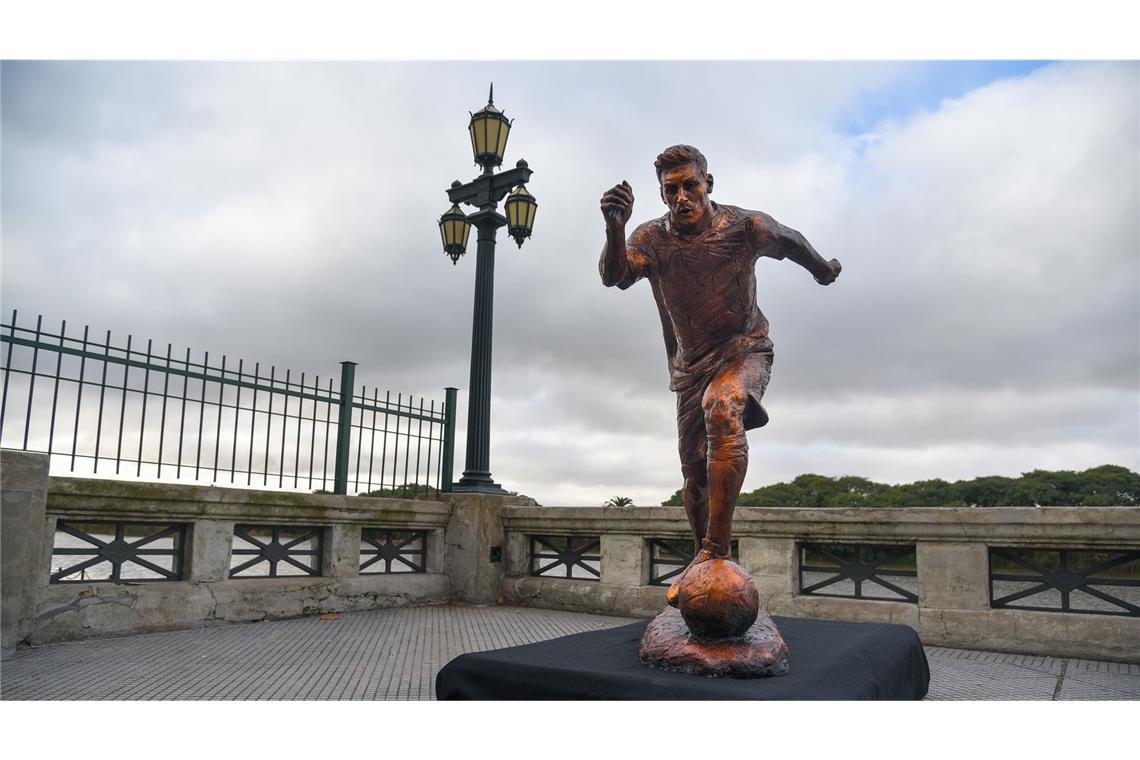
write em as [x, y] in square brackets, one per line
[705, 288]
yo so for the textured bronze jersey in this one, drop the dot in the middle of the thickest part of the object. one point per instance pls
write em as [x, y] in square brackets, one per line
[705, 287]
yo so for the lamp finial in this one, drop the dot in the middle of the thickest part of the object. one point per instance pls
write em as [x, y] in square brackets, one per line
[491, 95]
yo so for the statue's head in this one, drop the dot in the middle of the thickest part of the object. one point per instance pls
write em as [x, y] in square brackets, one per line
[685, 186]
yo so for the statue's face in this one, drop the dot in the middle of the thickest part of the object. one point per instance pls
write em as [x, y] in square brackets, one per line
[685, 190]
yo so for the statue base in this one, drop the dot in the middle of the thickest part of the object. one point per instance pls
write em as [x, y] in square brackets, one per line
[668, 645]
[835, 660]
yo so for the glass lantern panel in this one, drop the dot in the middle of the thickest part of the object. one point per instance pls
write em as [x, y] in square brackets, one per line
[493, 128]
[504, 130]
[479, 135]
[455, 234]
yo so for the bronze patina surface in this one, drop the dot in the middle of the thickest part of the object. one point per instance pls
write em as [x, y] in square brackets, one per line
[718, 599]
[760, 651]
[700, 260]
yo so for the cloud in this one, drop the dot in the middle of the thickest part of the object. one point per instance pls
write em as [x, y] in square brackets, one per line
[986, 317]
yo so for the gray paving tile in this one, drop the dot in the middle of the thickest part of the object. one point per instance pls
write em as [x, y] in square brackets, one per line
[1092, 685]
[379, 654]
[396, 653]
[976, 679]
[970, 675]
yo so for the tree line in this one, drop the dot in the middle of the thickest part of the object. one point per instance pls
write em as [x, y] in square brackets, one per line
[1104, 486]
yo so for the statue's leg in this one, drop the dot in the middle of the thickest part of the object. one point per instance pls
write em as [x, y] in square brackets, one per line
[727, 465]
[691, 442]
[733, 392]
[695, 496]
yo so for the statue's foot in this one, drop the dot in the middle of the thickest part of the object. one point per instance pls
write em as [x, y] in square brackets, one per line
[673, 594]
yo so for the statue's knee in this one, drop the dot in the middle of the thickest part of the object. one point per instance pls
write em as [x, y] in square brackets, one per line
[724, 414]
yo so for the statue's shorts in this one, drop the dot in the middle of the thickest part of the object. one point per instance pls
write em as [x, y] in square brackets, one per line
[714, 412]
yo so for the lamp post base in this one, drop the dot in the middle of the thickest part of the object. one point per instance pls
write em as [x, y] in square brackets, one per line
[478, 482]
[489, 488]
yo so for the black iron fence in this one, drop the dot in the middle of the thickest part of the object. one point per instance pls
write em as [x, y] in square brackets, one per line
[859, 571]
[578, 557]
[98, 407]
[1092, 581]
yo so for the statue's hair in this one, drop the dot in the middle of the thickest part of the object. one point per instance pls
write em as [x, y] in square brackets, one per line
[679, 155]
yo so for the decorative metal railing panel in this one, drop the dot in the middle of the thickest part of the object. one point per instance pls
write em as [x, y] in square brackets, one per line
[276, 551]
[859, 571]
[1093, 581]
[669, 556]
[89, 552]
[392, 551]
[577, 557]
[99, 407]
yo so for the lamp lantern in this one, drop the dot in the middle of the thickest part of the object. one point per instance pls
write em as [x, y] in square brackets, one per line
[521, 207]
[454, 229]
[489, 129]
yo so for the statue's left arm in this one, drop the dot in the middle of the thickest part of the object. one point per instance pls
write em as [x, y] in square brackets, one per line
[772, 239]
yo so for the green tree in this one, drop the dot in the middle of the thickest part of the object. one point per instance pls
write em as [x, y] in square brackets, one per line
[927, 493]
[619, 501]
[775, 495]
[406, 491]
[1046, 489]
[851, 491]
[989, 491]
[1107, 485]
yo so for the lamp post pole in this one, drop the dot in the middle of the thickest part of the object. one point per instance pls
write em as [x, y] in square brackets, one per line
[477, 469]
[485, 192]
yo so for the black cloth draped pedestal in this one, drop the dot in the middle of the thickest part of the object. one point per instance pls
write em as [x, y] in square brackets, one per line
[830, 660]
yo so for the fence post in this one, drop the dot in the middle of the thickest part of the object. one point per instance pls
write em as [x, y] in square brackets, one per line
[448, 438]
[344, 426]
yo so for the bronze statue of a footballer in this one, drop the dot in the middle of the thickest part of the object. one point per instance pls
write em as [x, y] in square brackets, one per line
[700, 261]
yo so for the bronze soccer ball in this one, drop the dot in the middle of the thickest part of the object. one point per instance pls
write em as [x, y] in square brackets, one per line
[718, 600]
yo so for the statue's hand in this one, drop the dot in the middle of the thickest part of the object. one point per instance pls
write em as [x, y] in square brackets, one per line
[834, 268]
[617, 205]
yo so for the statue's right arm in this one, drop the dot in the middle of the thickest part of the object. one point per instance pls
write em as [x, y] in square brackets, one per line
[615, 266]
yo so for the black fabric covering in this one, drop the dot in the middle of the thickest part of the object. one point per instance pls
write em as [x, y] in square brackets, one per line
[829, 660]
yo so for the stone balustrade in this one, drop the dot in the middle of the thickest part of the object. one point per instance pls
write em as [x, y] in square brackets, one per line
[478, 549]
[951, 556]
[38, 611]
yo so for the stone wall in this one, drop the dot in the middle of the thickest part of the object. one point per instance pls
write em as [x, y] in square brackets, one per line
[36, 611]
[478, 551]
[23, 506]
[952, 548]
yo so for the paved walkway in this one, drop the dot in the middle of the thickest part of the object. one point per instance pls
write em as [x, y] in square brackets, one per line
[395, 654]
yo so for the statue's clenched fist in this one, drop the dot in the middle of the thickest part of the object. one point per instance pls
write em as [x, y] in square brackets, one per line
[833, 270]
[617, 205]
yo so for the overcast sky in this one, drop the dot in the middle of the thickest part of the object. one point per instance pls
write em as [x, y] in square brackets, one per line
[987, 216]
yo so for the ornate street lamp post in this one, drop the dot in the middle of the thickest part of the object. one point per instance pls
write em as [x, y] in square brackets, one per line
[489, 130]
